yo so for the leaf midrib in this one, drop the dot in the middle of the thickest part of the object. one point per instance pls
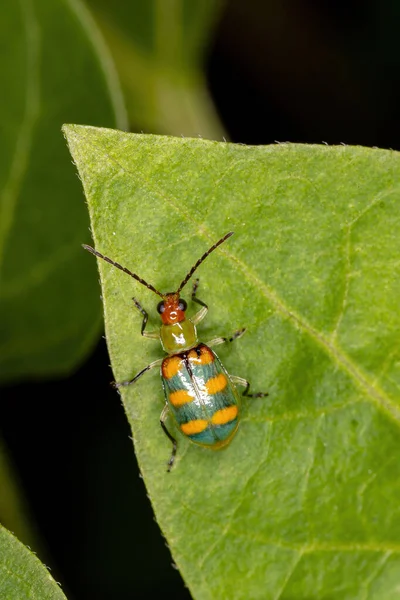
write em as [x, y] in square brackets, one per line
[376, 394]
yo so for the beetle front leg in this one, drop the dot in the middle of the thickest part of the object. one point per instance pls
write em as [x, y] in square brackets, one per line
[246, 384]
[153, 335]
[163, 418]
[138, 375]
[199, 316]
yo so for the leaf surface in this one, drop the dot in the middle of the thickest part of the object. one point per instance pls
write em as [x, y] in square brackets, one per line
[54, 68]
[303, 504]
[22, 575]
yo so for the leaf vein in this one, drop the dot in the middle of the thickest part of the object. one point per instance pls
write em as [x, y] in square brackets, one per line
[305, 414]
[312, 453]
[348, 249]
[379, 566]
[242, 499]
[20, 160]
[289, 574]
[316, 546]
[377, 395]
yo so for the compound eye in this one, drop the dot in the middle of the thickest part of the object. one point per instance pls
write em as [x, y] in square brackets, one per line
[182, 305]
[160, 307]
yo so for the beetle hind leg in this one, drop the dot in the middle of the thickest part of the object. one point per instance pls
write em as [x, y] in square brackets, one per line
[163, 418]
[246, 384]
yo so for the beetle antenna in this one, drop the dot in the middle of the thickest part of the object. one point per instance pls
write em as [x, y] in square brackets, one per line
[192, 270]
[124, 269]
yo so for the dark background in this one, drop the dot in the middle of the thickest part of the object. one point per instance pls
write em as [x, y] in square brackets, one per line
[278, 71]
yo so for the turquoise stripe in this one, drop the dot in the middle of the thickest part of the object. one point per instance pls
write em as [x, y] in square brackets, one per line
[205, 437]
[224, 431]
[188, 412]
[206, 372]
[214, 434]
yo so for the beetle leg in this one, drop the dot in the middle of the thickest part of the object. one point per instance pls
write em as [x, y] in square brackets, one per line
[203, 311]
[246, 384]
[153, 335]
[163, 418]
[142, 372]
[223, 340]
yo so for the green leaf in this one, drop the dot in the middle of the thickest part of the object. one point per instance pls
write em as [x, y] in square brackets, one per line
[22, 575]
[54, 68]
[159, 48]
[14, 511]
[304, 503]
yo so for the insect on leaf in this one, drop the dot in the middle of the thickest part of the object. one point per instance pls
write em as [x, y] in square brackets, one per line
[304, 502]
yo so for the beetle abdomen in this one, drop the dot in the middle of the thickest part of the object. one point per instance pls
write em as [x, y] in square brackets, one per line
[201, 397]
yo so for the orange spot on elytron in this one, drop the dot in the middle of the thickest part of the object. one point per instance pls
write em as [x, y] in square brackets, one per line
[206, 356]
[180, 397]
[171, 366]
[195, 426]
[216, 384]
[225, 415]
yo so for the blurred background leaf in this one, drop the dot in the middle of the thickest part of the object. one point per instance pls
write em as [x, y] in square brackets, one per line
[46, 329]
[13, 505]
[159, 48]
[54, 66]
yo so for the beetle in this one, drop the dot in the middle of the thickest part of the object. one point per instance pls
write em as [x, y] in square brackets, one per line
[199, 392]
